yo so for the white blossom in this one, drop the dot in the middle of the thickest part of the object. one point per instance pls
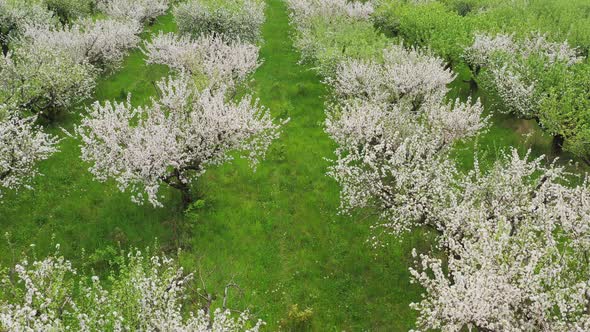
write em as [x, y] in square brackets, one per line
[22, 145]
[410, 76]
[538, 43]
[103, 43]
[304, 10]
[515, 68]
[174, 139]
[239, 19]
[394, 130]
[146, 294]
[517, 238]
[480, 53]
[516, 90]
[46, 286]
[139, 10]
[43, 81]
[16, 15]
[220, 60]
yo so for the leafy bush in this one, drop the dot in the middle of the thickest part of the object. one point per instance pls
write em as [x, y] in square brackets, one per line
[143, 11]
[68, 10]
[429, 25]
[565, 112]
[329, 32]
[297, 319]
[329, 43]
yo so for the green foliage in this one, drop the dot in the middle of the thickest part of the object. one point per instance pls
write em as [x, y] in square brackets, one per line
[430, 25]
[328, 42]
[297, 319]
[448, 26]
[565, 111]
[233, 18]
[69, 10]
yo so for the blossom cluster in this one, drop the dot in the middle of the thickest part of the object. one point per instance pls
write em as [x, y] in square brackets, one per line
[394, 130]
[517, 70]
[102, 43]
[15, 15]
[145, 293]
[43, 81]
[304, 10]
[220, 60]
[22, 145]
[174, 139]
[516, 239]
[238, 19]
[481, 52]
[141, 11]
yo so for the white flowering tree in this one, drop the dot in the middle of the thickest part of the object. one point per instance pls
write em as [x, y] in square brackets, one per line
[102, 43]
[15, 15]
[212, 58]
[142, 11]
[302, 11]
[403, 77]
[394, 131]
[146, 293]
[522, 73]
[174, 139]
[238, 19]
[517, 241]
[22, 146]
[44, 81]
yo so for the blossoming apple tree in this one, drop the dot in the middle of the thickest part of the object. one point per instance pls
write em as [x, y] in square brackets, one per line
[22, 145]
[394, 130]
[517, 242]
[213, 59]
[147, 293]
[174, 139]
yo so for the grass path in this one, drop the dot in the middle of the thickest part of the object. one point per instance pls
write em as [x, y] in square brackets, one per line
[276, 232]
[279, 226]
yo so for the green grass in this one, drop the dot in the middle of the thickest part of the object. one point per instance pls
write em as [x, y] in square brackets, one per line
[275, 231]
[278, 230]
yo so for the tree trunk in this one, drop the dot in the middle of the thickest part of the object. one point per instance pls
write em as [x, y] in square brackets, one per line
[473, 85]
[557, 144]
[187, 197]
[173, 180]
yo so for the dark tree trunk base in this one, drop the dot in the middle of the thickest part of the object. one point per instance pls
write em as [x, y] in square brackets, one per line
[557, 144]
[187, 197]
[473, 85]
